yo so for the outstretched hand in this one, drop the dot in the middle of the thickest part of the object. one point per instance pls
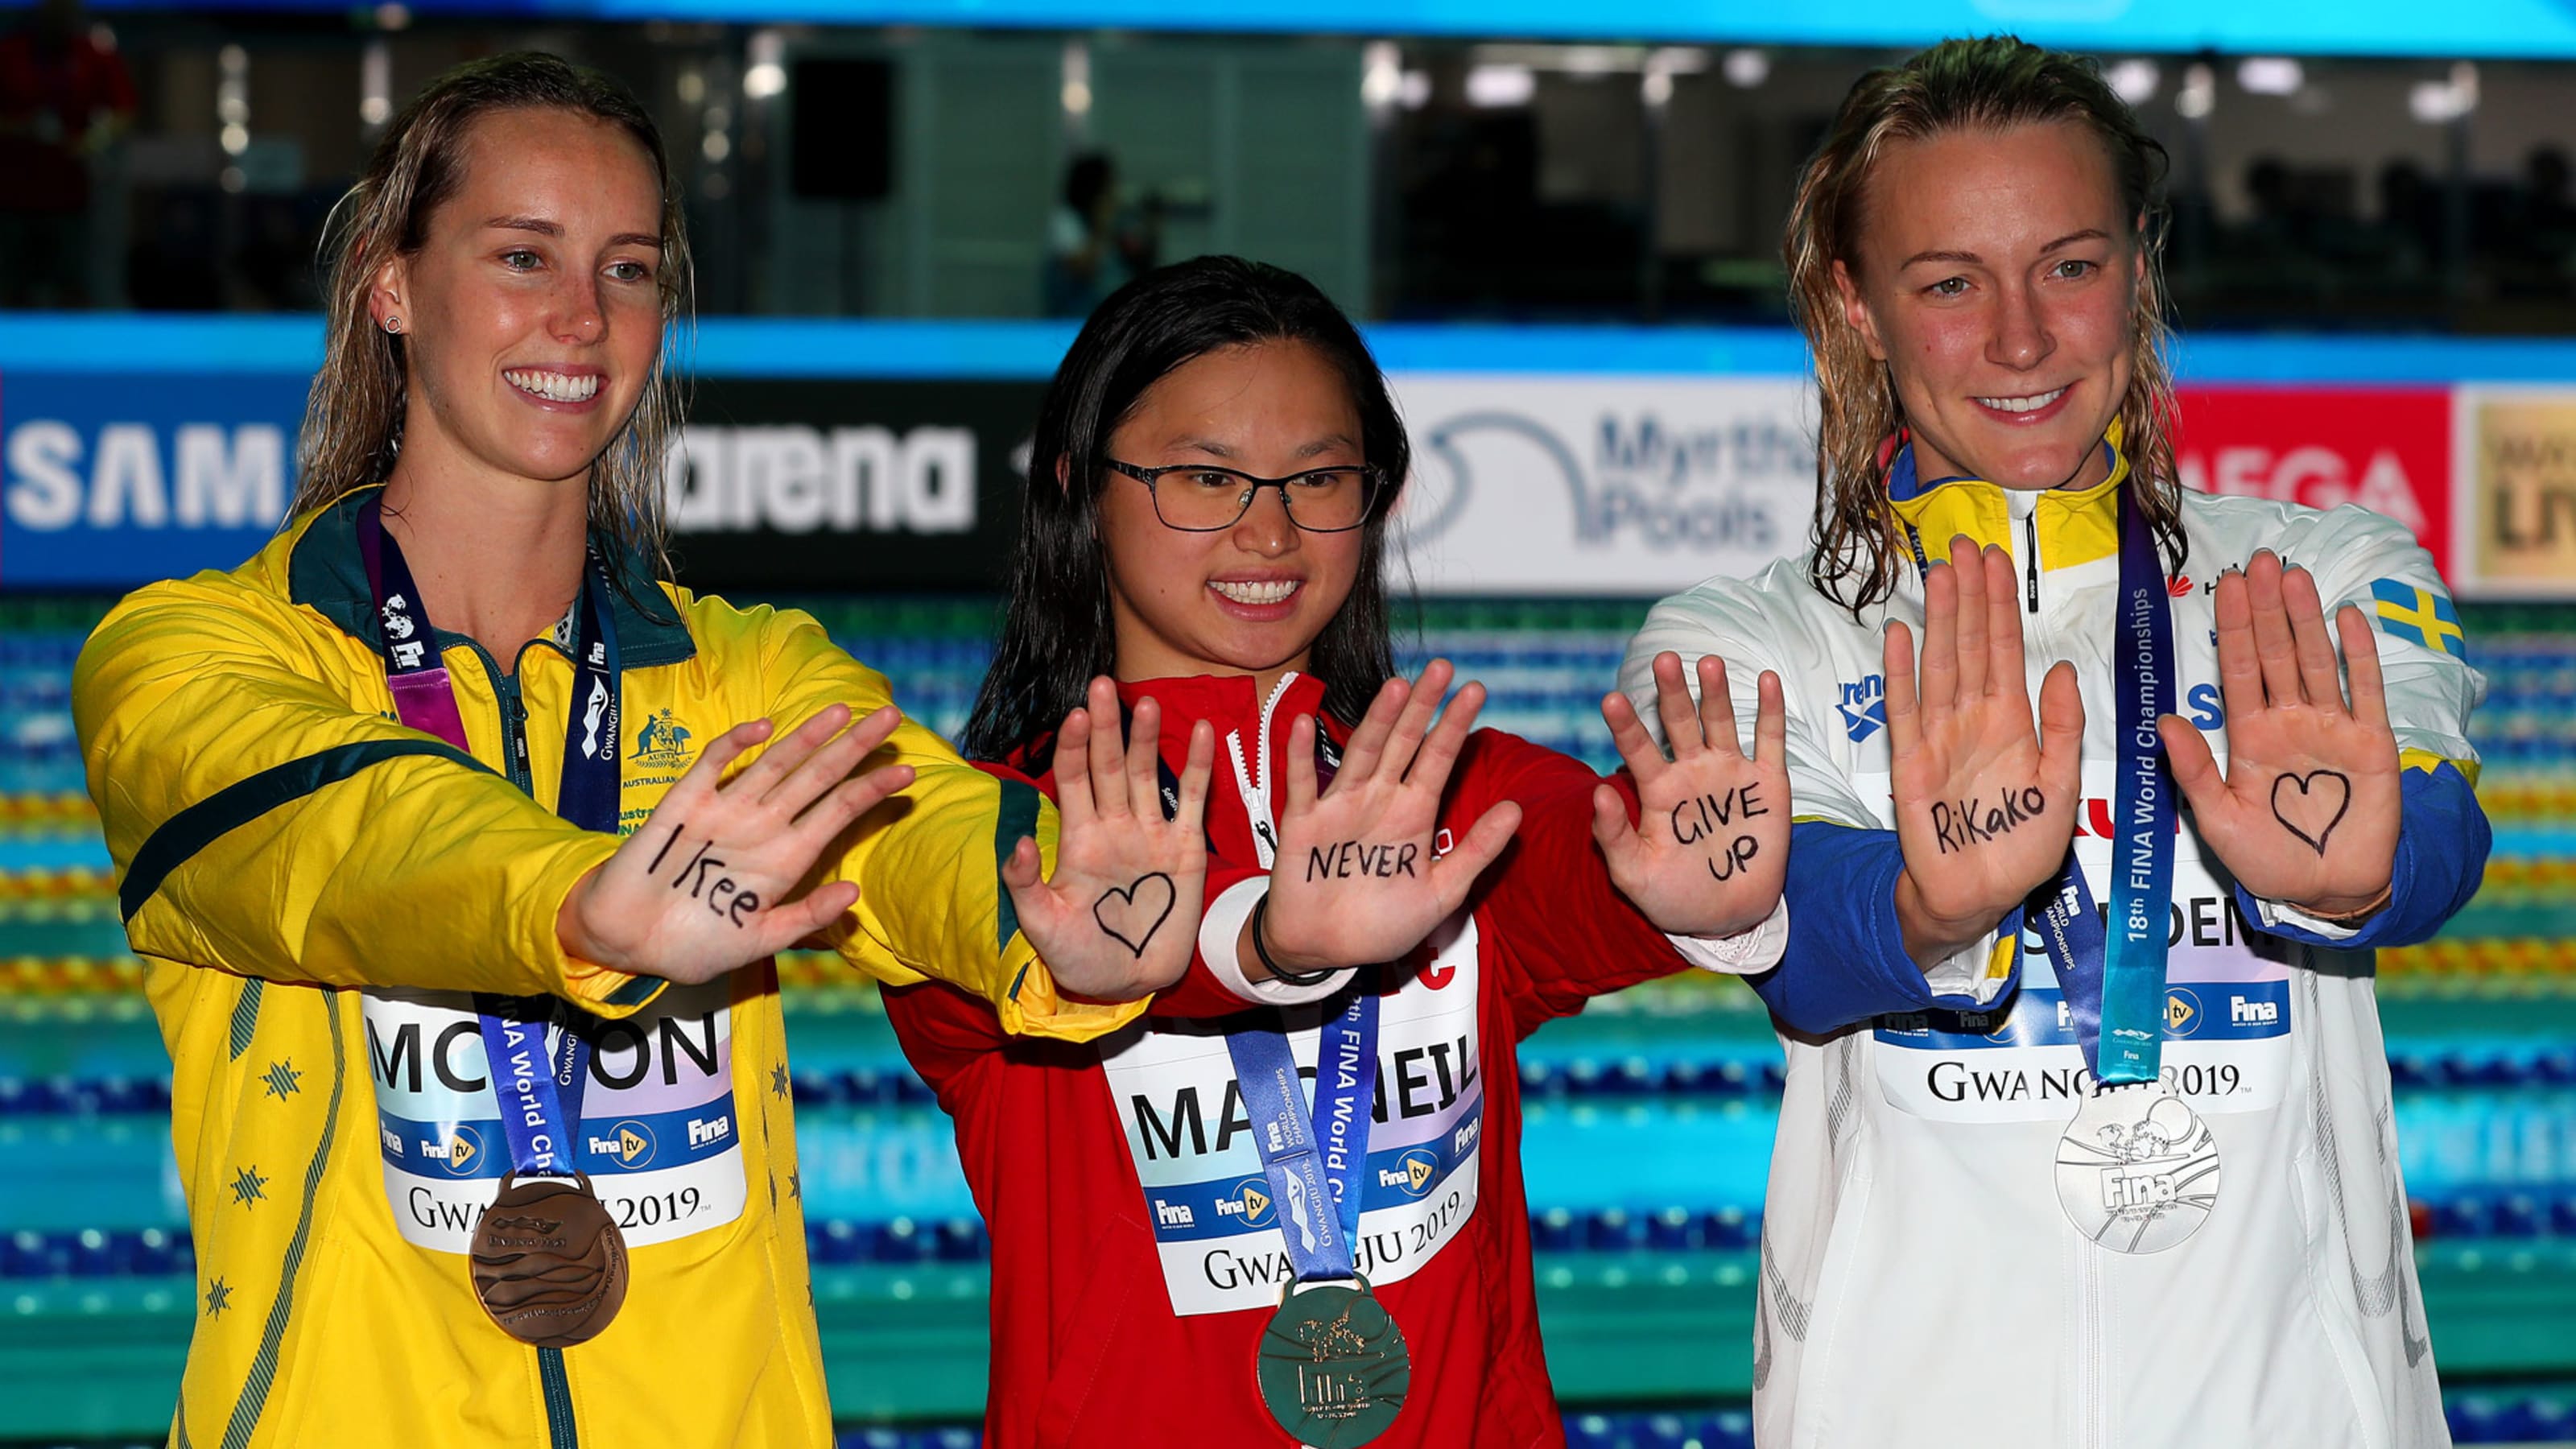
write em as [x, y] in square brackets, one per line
[1985, 804]
[2306, 811]
[1355, 880]
[1714, 851]
[1120, 918]
[701, 889]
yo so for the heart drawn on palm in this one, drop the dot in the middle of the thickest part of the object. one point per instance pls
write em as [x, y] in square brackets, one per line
[1132, 916]
[2310, 806]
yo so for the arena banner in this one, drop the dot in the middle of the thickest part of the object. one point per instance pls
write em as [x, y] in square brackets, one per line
[2387, 449]
[849, 484]
[1592, 484]
[2517, 497]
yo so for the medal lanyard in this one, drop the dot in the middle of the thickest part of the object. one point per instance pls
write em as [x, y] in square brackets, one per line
[2113, 972]
[540, 1064]
[1317, 1165]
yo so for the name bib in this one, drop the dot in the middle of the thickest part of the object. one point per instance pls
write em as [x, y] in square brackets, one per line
[658, 1134]
[1190, 1139]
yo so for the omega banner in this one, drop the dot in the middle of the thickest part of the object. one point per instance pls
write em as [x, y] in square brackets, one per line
[1523, 482]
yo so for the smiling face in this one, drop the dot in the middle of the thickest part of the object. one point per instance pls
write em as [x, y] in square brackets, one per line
[531, 312]
[1998, 279]
[1248, 599]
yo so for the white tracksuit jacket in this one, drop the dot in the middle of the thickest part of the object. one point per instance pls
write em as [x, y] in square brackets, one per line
[1920, 1287]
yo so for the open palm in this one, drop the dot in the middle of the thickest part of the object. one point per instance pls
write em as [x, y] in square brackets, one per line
[702, 887]
[2306, 811]
[1356, 880]
[1710, 851]
[1985, 804]
[1119, 919]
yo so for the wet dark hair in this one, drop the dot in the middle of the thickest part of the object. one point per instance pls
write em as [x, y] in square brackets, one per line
[1057, 634]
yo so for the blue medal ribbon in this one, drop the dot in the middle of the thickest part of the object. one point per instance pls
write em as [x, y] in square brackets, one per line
[2114, 981]
[1318, 1159]
[537, 1048]
[2113, 971]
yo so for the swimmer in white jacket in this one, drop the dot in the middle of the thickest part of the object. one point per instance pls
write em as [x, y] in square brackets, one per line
[2217, 1254]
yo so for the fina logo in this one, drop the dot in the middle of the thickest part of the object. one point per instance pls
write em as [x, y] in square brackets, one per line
[1666, 487]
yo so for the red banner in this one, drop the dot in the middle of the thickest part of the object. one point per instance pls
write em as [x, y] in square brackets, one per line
[2385, 448]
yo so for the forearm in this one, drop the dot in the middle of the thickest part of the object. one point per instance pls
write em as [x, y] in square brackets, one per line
[1850, 955]
[263, 824]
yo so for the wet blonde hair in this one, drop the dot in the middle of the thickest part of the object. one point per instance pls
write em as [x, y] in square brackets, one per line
[1991, 85]
[353, 419]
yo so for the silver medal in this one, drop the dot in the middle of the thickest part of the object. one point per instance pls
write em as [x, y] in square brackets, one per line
[2137, 1170]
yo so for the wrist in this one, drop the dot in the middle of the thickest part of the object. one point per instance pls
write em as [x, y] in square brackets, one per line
[1932, 937]
[2346, 912]
[1268, 964]
[572, 931]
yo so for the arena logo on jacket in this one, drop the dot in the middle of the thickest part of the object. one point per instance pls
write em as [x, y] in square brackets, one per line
[1190, 1138]
[659, 1135]
[2227, 1013]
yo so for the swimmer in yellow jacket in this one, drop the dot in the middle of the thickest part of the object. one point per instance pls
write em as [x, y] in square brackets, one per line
[368, 860]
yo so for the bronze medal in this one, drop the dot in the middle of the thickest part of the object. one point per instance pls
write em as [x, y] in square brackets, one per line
[1333, 1368]
[548, 1262]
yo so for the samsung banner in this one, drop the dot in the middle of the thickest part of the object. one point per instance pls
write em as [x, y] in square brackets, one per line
[109, 480]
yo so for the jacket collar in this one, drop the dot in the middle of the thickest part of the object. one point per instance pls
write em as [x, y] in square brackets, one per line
[1228, 701]
[2074, 526]
[327, 573]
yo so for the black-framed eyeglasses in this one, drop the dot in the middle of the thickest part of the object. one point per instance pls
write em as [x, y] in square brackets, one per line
[1203, 498]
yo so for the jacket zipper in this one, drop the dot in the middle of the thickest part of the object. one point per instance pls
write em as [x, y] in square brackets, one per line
[555, 1384]
[2030, 535]
[1253, 778]
[2094, 1430]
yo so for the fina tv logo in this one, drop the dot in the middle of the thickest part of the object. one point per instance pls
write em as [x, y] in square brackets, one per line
[1250, 1201]
[1632, 475]
[460, 1154]
[1412, 1173]
[629, 1145]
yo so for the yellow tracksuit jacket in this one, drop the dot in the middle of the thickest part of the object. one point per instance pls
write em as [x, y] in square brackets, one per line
[315, 889]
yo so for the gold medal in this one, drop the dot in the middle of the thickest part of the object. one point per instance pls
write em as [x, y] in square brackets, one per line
[1333, 1368]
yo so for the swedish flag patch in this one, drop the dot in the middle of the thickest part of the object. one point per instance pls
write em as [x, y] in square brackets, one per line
[2419, 616]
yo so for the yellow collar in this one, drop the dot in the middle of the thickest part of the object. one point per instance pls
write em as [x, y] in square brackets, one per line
[2073, 526]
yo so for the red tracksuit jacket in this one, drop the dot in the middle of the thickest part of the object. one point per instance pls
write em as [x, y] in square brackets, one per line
[1135, 1253]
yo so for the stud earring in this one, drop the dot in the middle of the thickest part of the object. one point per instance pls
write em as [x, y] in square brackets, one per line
[393, 324]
